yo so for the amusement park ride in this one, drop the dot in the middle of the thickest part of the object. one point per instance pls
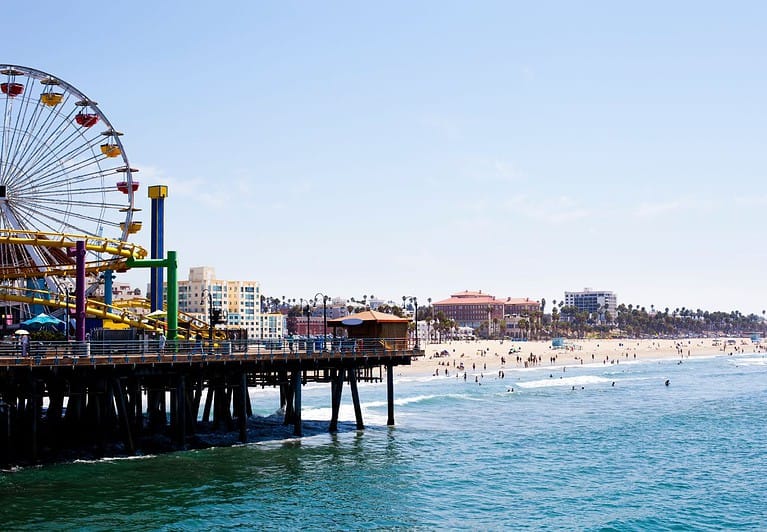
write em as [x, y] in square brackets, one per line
[67, 206]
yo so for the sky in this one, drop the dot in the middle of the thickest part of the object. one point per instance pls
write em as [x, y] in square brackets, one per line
[424, 148]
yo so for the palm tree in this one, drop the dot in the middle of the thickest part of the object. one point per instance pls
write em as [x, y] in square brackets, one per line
[523, 325]
[554, 317]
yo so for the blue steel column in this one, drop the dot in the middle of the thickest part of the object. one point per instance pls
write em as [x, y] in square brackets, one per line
[157, 193]
[108, 277]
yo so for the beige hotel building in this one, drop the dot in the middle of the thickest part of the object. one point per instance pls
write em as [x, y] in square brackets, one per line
[239, 300]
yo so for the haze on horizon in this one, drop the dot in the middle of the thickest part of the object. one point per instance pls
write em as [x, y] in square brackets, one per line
[428, 148]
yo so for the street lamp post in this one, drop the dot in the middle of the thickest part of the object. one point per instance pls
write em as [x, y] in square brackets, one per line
[261, 317]
[66, 312]
[298, 320]
[413, 300]
[324, 316]
[211, 325]
[430, 322]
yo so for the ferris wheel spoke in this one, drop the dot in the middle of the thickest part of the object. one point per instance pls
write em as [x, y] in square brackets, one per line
[68, 217]
[6, 118]
[70, 179]
[25, 123]
[51, 148]
[54, 196]
[68, 174]
[33, 218]
[90, 203]
[36, 125]
[41, 219]
[26, 129]
[87, 212]
[11, 153]
[39, 146]
[64, 152]
[54, 117]
[57, 124]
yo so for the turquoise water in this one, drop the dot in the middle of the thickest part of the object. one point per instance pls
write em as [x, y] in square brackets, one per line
[636, 455]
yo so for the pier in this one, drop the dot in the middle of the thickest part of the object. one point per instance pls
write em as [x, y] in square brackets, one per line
[65, 399]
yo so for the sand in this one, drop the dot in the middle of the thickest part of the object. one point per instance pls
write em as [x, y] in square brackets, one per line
[486, 356]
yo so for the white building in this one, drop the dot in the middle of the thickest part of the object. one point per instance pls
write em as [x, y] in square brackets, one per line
[595, 302]
[119, 290]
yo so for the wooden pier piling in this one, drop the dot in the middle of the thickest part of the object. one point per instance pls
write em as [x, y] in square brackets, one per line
[52, 408]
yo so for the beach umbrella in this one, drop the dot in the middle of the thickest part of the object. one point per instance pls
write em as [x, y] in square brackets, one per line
[42, 321]
[156, 314]
[21, 332]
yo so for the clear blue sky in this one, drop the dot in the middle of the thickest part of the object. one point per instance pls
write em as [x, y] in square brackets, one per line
[520, 148]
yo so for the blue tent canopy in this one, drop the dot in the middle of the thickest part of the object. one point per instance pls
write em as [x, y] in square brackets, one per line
[43, 320]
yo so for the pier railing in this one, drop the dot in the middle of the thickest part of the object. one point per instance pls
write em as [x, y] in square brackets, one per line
[152, 351]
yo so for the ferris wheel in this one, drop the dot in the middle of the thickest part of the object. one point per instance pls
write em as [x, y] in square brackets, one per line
[64, 174]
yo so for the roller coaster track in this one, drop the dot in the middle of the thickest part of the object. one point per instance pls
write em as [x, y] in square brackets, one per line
[117, 253]
[118, 312]
[135, 302]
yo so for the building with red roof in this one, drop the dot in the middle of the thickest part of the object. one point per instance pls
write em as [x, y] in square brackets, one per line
[471, 309]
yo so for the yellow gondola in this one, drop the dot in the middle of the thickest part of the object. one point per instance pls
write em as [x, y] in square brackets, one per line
[134, 227]
[110, 150]
[51, 99]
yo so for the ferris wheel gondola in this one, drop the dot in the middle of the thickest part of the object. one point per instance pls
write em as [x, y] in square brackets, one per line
[63, 172]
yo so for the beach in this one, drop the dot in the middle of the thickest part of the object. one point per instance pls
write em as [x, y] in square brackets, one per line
[482, 357]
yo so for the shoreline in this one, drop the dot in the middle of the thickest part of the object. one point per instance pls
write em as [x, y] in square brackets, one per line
[494, 356]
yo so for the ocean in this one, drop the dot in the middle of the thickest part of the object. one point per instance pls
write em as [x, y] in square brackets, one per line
[592, 447]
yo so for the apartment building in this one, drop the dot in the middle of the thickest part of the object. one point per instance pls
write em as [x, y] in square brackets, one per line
[240, 302]
[595, 302]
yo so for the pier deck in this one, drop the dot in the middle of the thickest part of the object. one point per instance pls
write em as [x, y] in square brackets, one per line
[85, 395]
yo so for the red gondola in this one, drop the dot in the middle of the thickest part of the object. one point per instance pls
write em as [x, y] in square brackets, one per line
[86, 119]
[122, 186]
[12, 89]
